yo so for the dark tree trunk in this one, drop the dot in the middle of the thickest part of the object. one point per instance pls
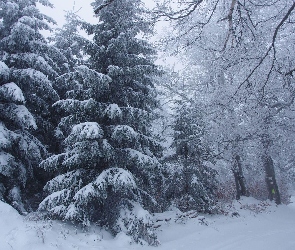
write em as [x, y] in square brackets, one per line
[239, 178]
[270, 175]
[238, 189]
[270, 178]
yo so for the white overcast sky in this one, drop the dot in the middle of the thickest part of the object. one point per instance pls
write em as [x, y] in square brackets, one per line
[62, 6]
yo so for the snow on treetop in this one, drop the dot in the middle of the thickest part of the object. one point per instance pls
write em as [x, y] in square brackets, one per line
[32, 8]
[113, 111]
[86, 130]
[46, 3]
[13, 92]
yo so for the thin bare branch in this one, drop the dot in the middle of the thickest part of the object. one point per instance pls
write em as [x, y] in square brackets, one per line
[272, 46]
[183, 13]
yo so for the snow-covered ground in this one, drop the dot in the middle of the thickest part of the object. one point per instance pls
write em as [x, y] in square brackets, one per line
[245, 227]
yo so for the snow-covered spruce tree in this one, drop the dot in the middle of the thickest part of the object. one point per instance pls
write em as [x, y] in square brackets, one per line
[108, 166]
[120, 52]
[190, 184]
[20, 151]
[32, 65]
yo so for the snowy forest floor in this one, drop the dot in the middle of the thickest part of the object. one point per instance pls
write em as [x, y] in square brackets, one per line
[249, 224]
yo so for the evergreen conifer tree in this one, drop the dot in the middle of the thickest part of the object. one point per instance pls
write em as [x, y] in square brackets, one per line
[190, 184]
[29, 65]
[107, 168]
[33, 62]
[19, 150]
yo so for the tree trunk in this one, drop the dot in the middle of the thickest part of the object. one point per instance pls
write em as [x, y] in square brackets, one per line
[270, 178]
[238, 189]
[270, 175]
[239, 178]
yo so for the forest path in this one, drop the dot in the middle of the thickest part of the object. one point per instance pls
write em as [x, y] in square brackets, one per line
[272, 229]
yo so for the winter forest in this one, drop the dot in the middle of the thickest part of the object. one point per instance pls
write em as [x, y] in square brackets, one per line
[186, 105]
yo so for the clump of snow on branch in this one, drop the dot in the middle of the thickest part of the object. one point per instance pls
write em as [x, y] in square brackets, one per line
[12, 92]
[113, 111]
[64, 181]
[85, 131]
[25, 116]
[141, 159]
